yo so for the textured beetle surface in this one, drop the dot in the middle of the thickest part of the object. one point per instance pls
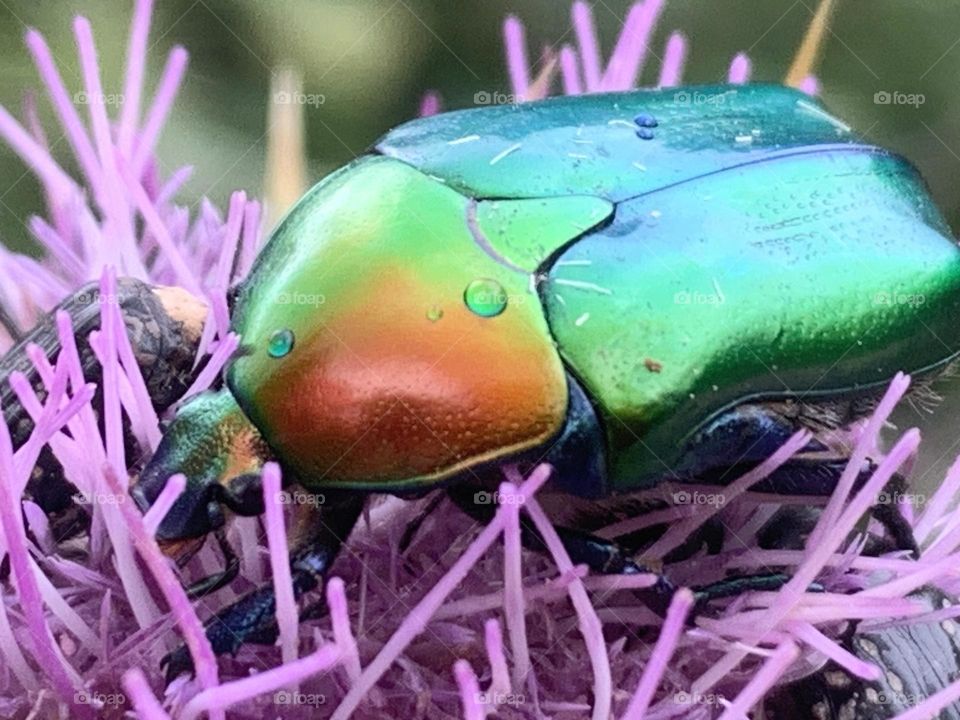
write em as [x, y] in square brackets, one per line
[677, 259]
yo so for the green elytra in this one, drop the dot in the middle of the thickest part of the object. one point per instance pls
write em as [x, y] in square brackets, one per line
[732, 244]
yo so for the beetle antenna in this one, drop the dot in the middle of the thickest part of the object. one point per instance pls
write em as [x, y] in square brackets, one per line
[805, 63]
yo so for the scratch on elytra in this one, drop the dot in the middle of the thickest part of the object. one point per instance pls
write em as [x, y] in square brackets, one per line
[508, 151]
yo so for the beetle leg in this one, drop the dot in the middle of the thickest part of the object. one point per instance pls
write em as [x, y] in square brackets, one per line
[738, 584]
[318, 536]
[214, 582]
[888, 514]
[599, 554]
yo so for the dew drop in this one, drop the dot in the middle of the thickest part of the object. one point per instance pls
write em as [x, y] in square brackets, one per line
[280, 343]
[646, 120]
[434, 313]
[486, 298]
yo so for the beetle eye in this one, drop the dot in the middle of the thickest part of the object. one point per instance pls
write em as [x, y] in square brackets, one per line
[280, 343]
[486, 298]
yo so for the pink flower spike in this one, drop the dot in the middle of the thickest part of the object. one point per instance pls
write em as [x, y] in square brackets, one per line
[867, 440]
[172, 489]
[762, 681]
[417, 618]
[430, 104]
[33, 154]
[628, 57]
[230, 240]
[287, 615]
[500, 675]
[122, 251]
[172, 186]
[518, 66]
[12, 653]
[674, 59]
[570, 71]
[514, 607]
[740, 70]
[665, 646]
[151, 217]
[340, 620]
[251, 240]
[62, 676]
[144, 701]
[204, 661]
[133, 84]
[679, 532]
[810, 85]
[936, 507]
[822, 644]
[289, 674]
[170, 81]
[214, 366]
[473, 707]
[817, 555]
[587, 39]
[590, 626]
[113, 426]
[67, 114]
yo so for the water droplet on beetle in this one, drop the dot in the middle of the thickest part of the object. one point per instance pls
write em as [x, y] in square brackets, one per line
[646, 120]
[434, 313]
[485, 297]
[280, 343]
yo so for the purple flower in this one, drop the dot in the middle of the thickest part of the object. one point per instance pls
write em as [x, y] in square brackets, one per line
[458, 621]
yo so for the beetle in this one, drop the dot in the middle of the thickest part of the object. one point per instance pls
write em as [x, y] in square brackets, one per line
[630, 286]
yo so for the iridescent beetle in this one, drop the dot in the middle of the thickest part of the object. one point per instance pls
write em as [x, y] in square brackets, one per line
[632, 287]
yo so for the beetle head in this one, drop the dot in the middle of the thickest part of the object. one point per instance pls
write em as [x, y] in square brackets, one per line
[216, 448]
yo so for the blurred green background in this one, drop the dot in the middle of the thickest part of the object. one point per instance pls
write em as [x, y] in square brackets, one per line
[373, 59]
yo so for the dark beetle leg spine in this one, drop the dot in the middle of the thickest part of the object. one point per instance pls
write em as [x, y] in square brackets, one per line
[253, 617]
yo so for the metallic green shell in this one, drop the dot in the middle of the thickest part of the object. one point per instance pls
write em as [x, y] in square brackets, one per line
[588, 145]
[811, 275]
[756, 250]
[748, 247]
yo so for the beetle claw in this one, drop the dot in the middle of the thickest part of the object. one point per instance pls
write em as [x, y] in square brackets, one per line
[177, 663]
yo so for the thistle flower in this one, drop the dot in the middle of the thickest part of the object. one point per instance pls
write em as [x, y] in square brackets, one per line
[466, 626]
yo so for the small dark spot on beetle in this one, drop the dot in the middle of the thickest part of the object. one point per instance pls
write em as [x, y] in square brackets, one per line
[652, 365]
[645, 134]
